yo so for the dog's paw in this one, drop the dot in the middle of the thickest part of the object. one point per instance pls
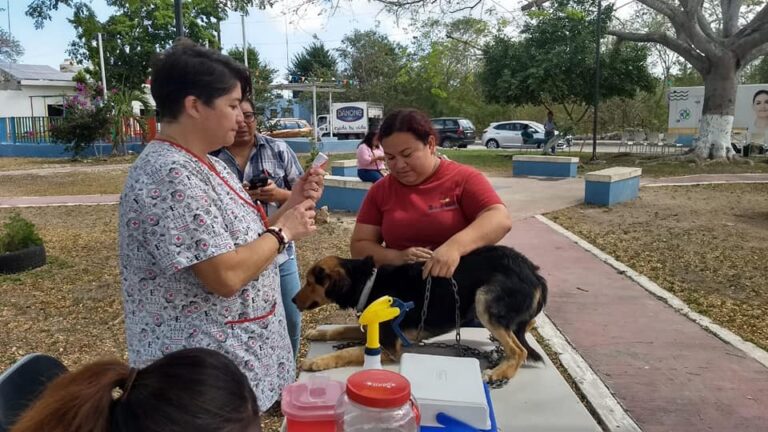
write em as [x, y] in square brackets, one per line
[314, 365]
[499, 373]
[317, 335]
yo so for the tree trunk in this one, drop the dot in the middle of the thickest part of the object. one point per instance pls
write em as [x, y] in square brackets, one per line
[717, 113]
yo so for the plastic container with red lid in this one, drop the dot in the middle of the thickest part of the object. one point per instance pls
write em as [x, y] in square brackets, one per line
[377, 399]
[310, 406]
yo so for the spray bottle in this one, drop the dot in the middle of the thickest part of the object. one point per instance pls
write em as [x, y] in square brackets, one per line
[382, 309]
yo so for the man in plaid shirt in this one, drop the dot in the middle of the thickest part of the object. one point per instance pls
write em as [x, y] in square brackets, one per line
[251, 156]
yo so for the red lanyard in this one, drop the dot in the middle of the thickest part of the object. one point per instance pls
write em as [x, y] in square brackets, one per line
[213, 169]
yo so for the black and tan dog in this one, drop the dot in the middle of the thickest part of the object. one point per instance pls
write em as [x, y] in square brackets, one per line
[495, 283]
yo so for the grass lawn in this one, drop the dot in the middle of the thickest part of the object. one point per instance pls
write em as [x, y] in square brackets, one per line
[68, 183]
[17, 163]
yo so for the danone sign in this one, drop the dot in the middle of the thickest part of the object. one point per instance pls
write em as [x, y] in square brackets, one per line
[349, 114]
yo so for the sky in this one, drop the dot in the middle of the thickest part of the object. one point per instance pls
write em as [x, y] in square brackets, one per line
[265, 30]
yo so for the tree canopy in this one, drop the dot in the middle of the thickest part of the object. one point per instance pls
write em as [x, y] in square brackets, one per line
[262, 74]
[552, 63]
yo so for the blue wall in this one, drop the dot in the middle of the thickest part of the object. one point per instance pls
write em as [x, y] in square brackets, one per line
[327, 145]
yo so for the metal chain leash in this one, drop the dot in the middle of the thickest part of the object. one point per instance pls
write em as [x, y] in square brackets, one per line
[493, 357]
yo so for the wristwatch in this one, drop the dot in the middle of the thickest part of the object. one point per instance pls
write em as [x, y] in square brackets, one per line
[282, 241]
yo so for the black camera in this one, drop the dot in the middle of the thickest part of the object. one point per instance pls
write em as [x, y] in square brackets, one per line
[258, 181]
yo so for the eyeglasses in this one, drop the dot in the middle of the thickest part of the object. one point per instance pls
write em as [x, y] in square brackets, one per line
[249, 116]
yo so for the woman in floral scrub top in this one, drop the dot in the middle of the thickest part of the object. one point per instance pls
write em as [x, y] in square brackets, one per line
[197, 269]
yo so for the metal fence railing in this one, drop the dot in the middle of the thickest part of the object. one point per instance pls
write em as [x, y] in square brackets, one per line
[37, 130]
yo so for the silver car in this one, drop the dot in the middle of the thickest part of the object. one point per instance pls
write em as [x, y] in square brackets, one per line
[508, 134]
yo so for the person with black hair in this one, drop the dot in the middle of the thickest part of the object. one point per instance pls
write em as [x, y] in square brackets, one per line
[194, 389]
[197, 255]
[370, 159]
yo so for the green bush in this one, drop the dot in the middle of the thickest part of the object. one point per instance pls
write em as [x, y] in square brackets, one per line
[18, 233]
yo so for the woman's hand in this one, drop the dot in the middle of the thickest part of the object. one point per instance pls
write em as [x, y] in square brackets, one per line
[443, 263]
[415, 254]
[309, 186]
[298, 221]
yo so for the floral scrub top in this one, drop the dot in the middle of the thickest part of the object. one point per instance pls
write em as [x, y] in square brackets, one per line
[175, 212]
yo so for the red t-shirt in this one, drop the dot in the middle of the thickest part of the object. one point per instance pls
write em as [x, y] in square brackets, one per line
[428, 214]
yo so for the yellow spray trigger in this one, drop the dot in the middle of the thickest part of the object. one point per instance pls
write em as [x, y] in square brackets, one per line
[377, 312]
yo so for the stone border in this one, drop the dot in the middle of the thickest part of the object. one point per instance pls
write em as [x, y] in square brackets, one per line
[607, 407]
[346, 182]
[721, 333]
[613, 174]
[344, 163]
[548, 159]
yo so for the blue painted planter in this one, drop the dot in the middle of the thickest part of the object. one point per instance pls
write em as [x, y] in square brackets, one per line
[327, 145]
[343, 193]
[544, 166]
[611, 186]
[344, 168]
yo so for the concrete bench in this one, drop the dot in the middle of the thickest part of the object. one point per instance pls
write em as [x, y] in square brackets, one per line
[344, 168]
[612, 185]
[544, 166]
[343, 193]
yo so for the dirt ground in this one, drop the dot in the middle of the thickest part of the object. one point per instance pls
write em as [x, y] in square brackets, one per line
[706, 244]
[71, 308]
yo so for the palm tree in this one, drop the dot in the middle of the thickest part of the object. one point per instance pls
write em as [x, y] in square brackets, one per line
[125, 118]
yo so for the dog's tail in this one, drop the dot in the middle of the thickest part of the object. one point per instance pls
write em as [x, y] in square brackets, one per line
[519, 332]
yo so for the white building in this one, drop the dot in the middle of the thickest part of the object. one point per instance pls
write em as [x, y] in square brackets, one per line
[33, 90]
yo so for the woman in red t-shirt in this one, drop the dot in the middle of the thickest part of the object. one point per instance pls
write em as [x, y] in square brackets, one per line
[428, 209]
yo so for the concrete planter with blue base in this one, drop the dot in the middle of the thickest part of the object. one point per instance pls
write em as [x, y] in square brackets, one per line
[343, 193]
[612, 186]
[544, 166]
[344, 168]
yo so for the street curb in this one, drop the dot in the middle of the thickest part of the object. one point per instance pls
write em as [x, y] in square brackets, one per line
[607, 407]
[723, 334]
[705, 183]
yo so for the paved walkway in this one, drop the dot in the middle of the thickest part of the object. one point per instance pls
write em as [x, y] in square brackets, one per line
[665, 370]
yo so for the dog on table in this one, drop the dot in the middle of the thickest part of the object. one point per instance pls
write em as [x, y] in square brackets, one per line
[496, 284]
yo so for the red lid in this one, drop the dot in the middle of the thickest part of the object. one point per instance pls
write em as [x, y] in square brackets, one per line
[378, 388]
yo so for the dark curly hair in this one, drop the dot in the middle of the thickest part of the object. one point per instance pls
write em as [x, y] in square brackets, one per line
[408, 120]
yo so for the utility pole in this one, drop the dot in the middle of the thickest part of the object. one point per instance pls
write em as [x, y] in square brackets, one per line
[179, 18]
[245, 44]
[103, 71]
[597, 81]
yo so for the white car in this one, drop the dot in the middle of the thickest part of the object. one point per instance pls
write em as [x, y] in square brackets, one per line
[509, 134]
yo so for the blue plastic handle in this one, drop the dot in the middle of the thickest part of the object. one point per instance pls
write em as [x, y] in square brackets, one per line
[404, 307]
[453, 423]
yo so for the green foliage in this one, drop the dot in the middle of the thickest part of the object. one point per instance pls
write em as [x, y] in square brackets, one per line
[10, 47]
[261, 74]
[553, 63]
[373, 63]
[123, 116]
[316, 62]
[81, 127]
[129, 43]
[18, 233]
[756, 73]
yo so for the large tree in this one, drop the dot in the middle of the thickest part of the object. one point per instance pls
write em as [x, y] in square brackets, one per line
[262, 74]
[315, 63]
[10, 48]
[129, 43]
[717, 50]
[371, 63]
[552, 63]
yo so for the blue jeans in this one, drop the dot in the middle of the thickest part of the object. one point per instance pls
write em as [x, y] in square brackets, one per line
[289, 286]
[369, 175]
